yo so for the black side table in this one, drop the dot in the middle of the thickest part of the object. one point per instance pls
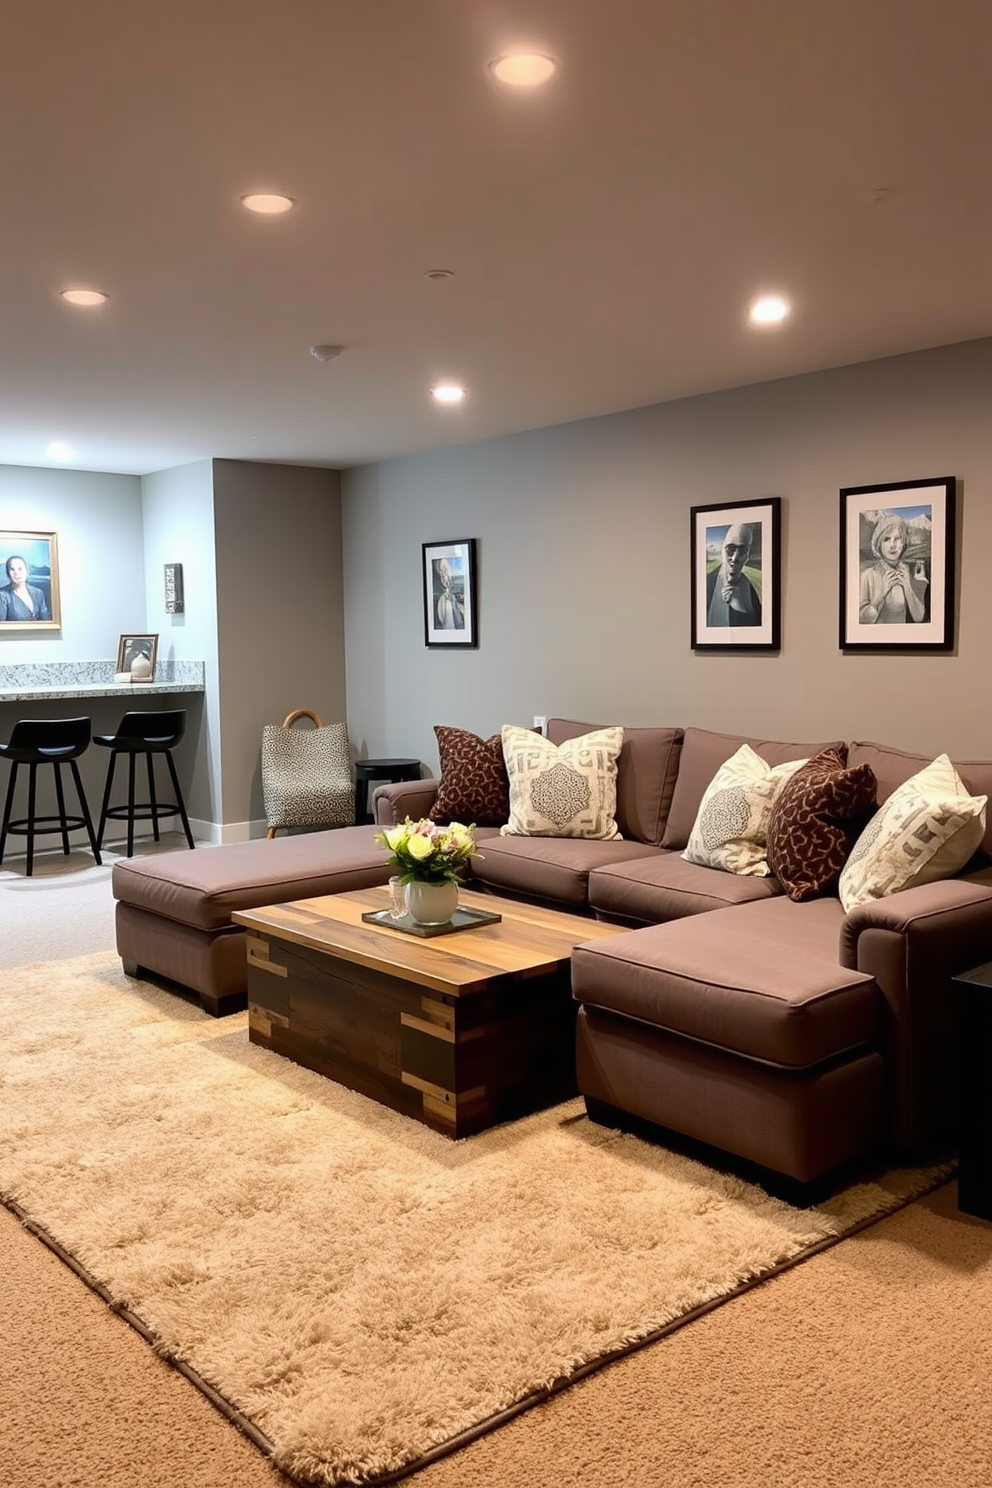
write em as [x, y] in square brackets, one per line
[376, 771]
[973, 990]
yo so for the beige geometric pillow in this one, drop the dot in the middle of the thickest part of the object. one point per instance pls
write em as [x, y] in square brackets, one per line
[927, 830]
[563, 790]
[731, 825]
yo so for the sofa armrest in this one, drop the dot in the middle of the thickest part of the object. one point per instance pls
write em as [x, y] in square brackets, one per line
[392, 804]
[913, 943]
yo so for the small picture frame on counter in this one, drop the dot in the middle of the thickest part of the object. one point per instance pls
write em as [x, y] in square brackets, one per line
[136, 657]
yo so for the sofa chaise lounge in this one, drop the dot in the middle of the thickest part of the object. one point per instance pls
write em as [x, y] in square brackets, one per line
[793, 1035]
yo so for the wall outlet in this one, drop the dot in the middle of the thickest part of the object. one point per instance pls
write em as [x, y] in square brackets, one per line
[540, 721]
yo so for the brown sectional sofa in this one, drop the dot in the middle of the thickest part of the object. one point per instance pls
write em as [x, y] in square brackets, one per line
[790, 1034]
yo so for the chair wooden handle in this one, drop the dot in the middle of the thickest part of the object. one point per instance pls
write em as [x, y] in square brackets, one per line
[291, 718]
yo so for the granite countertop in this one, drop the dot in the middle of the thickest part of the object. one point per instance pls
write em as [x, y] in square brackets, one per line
[27, 681]
[109, 689]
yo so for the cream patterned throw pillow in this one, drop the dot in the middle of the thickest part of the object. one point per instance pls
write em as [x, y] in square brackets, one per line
[562, 790]
[927, 830]
[731, 825]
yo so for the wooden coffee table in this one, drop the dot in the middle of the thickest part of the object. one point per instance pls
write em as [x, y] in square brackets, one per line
[459, 1031]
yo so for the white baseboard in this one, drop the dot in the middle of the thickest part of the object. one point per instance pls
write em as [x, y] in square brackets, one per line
[218, 832]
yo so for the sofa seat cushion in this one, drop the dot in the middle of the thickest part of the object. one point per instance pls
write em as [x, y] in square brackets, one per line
[204, 887]
[759, 980]
[667, 887]
[555, 868]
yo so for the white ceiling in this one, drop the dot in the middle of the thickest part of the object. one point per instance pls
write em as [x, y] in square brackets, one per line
[606, 232]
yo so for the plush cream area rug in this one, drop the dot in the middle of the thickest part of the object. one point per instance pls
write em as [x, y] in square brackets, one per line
[362, 1290]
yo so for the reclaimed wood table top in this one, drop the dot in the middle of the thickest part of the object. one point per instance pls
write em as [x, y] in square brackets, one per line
[528, 938]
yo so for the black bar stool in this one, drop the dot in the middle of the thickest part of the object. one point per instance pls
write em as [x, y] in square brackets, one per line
[46, 741]
[148, 734]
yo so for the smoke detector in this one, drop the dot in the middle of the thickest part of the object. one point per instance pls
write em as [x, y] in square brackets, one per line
[325, 353]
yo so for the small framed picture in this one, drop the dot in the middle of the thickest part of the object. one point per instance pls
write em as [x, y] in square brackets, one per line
[29, 582]
[137, 655]
[450, 608]
[897, 566]
[736, 559]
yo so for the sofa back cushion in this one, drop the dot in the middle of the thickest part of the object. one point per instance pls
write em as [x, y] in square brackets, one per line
[646, 772]
[893, 767]
[703, 752]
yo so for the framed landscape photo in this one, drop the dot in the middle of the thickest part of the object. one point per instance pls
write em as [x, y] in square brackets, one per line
[138, 654]
[29, 582]
[450, 608]
[897, 566]
[736, 561]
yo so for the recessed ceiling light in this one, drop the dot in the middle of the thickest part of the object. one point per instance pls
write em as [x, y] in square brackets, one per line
[447, 392]
[523, 69]
[58, 450]
[768, 310]
[439, 273]
[85, 296]
[325, 352]
[267, 203]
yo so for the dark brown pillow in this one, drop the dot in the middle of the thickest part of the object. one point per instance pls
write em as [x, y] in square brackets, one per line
[474, 787]
[816, 820]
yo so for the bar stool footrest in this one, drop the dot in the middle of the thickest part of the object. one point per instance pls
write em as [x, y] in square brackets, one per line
[143, 811]
[23, 827]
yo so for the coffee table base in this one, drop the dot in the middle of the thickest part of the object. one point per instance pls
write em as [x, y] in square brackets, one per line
[458, 1064]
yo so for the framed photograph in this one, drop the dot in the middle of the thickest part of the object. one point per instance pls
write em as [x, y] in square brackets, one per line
[29, 582]
[137, 655]
[450, 609]
[736, 561]
[897, 566]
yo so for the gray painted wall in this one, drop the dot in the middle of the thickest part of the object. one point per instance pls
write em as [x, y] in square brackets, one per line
[178, 525]
[280, 614]
[584, 565]
[97, 519]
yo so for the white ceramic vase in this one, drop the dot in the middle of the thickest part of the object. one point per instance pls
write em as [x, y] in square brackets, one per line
[431, 903]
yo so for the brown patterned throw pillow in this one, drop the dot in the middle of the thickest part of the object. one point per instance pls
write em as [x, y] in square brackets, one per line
[474, 788]
[815, 822]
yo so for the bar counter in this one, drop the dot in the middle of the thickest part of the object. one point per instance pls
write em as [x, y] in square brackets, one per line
[30, 681]
[61, 689]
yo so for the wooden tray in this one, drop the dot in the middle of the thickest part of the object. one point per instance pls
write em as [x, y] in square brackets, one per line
[462, 919]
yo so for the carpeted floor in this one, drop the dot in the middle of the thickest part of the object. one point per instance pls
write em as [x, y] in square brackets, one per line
[362, 1289]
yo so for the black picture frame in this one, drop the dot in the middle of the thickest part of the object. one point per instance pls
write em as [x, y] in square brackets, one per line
[897, 565]
[38, 552]
[745, 613]
[450, 594]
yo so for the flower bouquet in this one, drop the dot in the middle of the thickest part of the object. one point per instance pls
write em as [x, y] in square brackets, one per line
[423, 852]
[430, 859]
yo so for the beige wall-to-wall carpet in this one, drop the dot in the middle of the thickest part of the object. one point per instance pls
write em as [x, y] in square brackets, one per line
[361, 1289]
